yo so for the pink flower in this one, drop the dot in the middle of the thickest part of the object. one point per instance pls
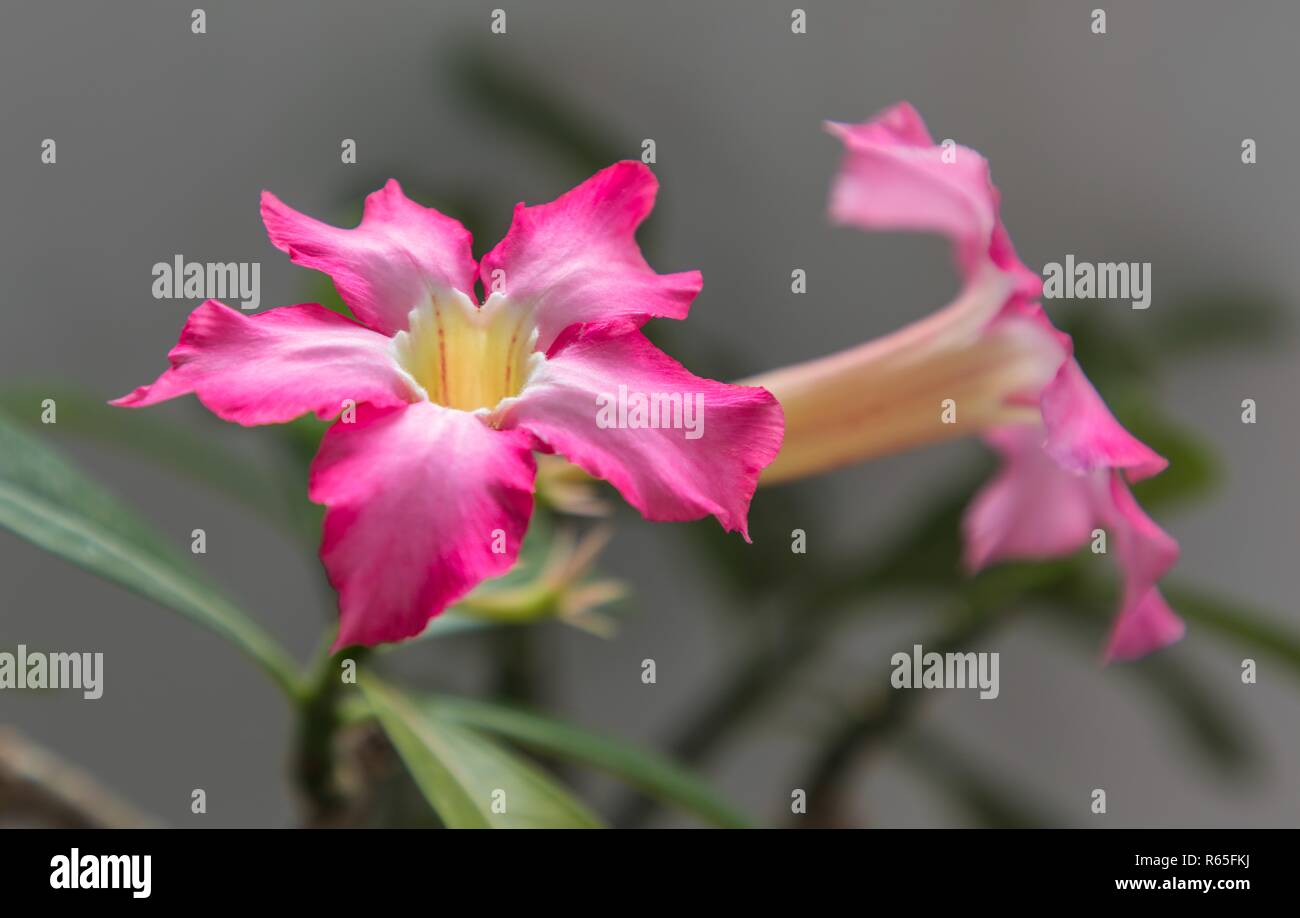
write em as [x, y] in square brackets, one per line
[1010, 374]
[427, 477]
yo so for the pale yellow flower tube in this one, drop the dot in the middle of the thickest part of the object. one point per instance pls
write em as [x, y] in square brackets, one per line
[891, 394]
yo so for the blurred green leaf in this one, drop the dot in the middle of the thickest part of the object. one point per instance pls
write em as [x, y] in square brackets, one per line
[1113, 350]
[1210, 727]
[992, 801]
[1109, 352]
[1207, 723]
[757, 568]
[649, 772]
[299, 440]
[927, 553]
[459, 770]
[46, 501]
[1192, 471]
[320, 289]
[1238, 622]
[1214, 321]
[179, 448]
[489, 84]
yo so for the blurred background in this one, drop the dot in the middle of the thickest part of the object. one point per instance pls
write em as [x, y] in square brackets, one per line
[772, 667]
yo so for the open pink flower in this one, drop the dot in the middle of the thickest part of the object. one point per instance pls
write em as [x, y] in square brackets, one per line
[1010, 375]
[427, 476]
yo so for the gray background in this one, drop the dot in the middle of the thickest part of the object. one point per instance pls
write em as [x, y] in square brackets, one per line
[1122, 147]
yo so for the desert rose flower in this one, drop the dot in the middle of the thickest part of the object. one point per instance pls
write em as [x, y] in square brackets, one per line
[427, 476]
[1010, 376]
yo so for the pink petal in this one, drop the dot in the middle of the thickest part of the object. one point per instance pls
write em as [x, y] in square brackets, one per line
[576, 260]
[273, 366]
[1031, 510]
[1142, 627]
[660, 471]
[1034, 509]
[1145, 553]
[1083, 435]
[398, 256]
[416, 500]
[894, 177]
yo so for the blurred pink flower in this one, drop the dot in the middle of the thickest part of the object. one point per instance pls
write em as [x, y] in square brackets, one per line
[1010, 374]
[428, 475]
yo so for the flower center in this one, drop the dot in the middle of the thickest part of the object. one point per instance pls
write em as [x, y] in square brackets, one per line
[469, 357]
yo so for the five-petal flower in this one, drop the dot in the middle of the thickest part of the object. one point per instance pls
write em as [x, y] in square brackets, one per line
[428, 475]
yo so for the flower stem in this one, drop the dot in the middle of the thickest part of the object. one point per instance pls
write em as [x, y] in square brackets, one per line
[316, 766]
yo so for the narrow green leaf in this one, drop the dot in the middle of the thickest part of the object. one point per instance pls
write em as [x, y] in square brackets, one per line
[1215, 320]
[761, 567]
[1205, 719]
[1242, 624]
[49, 503]
[1192, 473]
[465, 776]
[1211, 726]
[651, 773]
[523, 103]
[1109, 352]
[178, 448]
[991, 800]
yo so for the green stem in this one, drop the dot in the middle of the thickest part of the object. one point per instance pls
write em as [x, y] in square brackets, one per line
[316, 768]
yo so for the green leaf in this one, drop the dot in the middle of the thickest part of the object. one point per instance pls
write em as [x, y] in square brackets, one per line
[1192, 473]
[1112, 349]
[1204, 719]
[651, 773]
[1216, 320]
[1232, 620]
[993, 801]
[178, 448]
[299, 440]
[1211, 726]
[522, 102]
[927, 554]
[460, 771]
[49, 503]
[765, 565]
[1109, 351]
